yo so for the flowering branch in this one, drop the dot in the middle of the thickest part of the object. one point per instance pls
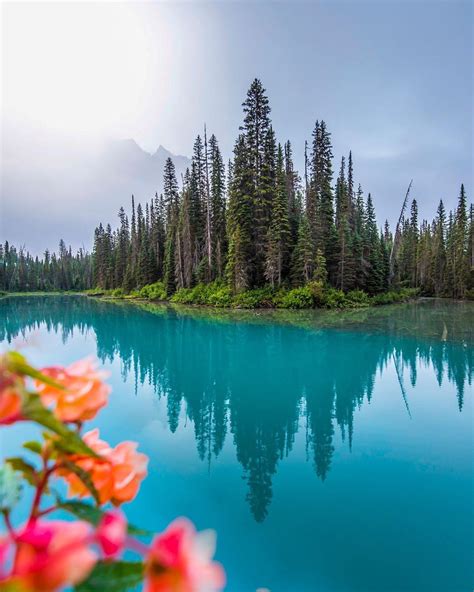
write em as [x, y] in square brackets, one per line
[51, 555]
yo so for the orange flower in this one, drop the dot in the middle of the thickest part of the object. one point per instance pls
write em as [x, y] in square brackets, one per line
[116, 475]
[52, 555]
[10, 406]
[10, 397]
[84, 390]
[180, 560]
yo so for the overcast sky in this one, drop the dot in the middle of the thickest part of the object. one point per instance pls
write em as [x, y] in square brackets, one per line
[393, 80]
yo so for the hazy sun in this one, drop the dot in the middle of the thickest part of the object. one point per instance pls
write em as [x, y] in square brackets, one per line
[77, 67]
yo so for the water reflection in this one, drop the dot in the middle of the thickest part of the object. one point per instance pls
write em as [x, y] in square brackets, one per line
[258, 381]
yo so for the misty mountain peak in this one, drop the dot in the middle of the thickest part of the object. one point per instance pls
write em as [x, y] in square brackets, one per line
[97, 181]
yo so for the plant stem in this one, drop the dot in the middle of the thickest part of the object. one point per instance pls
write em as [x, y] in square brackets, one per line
[11, 530]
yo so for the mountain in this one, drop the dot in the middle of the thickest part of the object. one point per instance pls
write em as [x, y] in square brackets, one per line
[52, 189]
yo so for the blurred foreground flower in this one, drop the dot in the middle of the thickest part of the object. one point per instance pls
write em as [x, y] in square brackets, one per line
[84, 391]
[111, 534]
[51, 555]
[116, 474]
[48, 556]
[11, 386]
[10, 405]
[180, 560]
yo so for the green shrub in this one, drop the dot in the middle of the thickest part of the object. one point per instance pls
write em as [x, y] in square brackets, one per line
[357, 298]
[393, 296]
[203, 294]
[386, 298]
[145, 291]
[318, 292]
[470, 294]
[258, 298]
[133, 294]
[221, 297]
[183, 296]
[334, 298]
[95, 292]
[297, 298]
[315, 294]
[154, 291]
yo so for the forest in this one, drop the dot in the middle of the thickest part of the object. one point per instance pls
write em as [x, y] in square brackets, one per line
[257, 224]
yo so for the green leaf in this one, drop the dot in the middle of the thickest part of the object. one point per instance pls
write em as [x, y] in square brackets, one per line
[84, 476]
[10, 488]
[33, 446]
[28, 471]
[138, 532]
[70, 441]
[82, 511]
[17, 363]
[91, 514]
[119, 576]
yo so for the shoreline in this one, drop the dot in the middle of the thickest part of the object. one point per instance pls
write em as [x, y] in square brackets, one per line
[206, 306]
[372, 320]
[402, 296]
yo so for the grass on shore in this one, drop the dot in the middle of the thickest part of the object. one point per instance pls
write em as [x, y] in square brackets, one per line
[218, 295]
[4, 294]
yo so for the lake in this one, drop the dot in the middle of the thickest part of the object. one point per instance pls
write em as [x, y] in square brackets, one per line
[331, 452]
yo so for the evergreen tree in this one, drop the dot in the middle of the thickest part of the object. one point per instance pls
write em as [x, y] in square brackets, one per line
[277, 258]
[345, 275]
[460, 246]
[171, 198]
[240, 220]
[293, 195]
[260, 146]
[184, 254]
[374, 279]
[303, 264]
[439, 251]
[219, 247]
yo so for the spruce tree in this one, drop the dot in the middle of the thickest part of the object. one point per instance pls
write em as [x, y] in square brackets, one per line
[345, 274]
[460, 246]
[293, 195]
[171, 199]
[217, 181]
[374, 278]
[184, 254]
[326, 235]
[240, 219]
[260, 147]
[439, 251]
[277, 256]
[303, 263]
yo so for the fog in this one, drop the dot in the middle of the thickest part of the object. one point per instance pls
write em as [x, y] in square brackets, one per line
[91, 90]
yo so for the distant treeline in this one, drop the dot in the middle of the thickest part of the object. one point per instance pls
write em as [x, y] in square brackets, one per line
[21, 272]
[259, 223]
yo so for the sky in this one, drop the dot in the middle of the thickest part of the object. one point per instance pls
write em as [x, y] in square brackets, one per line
[393, 81]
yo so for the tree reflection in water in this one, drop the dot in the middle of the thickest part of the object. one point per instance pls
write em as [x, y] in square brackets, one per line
[260, 377]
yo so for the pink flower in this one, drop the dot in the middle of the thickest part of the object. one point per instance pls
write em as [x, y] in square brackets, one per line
[180, 560]
[84, 390]
[116, 475]
[51, 555]
[111, 533]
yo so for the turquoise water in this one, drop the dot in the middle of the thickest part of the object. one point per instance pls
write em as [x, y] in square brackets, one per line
[331, 452]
